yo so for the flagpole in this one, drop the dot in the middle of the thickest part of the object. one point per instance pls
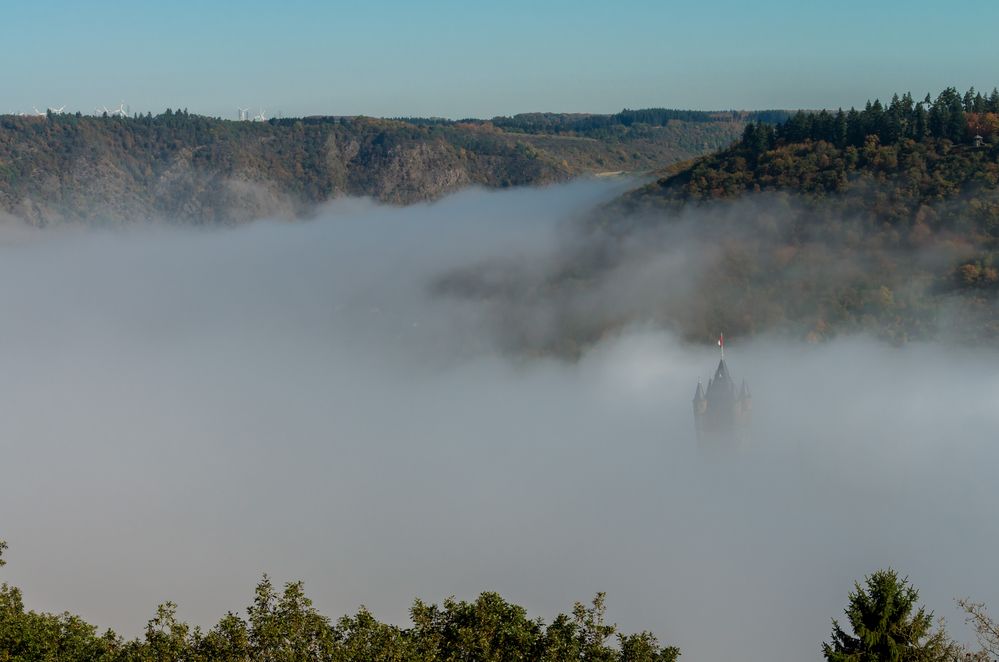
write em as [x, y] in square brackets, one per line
[721, 343]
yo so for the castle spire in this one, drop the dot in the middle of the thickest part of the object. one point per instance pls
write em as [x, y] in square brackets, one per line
[722, 410]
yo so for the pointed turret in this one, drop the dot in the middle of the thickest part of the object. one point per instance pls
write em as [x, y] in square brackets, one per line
[721, 386]
[700, 400]
[721, 372]
[700, 408]
[721, 409]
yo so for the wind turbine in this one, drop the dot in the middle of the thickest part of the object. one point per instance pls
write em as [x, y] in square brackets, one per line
[260, 117]
[57, 110]
[244, 113]
[120, 110]
[38, 112]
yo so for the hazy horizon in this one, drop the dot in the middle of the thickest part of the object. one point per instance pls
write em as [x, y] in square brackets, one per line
[456, 60]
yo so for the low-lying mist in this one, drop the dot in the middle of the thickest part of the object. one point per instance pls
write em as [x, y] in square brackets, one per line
[186, 409]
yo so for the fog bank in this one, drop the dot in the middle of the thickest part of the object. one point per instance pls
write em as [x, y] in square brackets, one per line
[185, 409]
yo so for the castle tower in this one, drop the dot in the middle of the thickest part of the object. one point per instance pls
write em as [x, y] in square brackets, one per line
[721, 412]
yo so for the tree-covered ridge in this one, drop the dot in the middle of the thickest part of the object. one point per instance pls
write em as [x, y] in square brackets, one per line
[618, 123]
[930, 150]
[951, 116]
[883, 220]
[597, 124]
[282, 625]
[192, 168]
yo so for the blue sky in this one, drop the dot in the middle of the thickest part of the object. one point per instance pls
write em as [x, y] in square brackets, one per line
[462, 59]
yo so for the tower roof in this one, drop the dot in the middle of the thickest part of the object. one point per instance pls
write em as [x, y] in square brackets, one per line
[699, 393]
[720, 387]
[721, 372]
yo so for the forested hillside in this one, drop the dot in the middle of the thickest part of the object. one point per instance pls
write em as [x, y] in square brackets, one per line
[189, 168]
[871, 219]
[882, 220]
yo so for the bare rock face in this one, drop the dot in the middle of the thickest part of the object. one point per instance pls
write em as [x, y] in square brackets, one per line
[419, 172]
[338, 153]
[183, 192]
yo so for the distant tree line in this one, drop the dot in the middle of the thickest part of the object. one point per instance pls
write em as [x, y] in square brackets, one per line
[587, 123]
[950, 116]
[433, 121]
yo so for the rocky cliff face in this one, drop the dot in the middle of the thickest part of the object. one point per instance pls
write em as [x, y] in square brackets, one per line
[201, 170]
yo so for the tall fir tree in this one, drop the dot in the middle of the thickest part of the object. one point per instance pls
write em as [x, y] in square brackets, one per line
[887, 626]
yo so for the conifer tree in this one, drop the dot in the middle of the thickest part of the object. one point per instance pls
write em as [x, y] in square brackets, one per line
[839, 136]
[887, 626]
[969, 100]
[919, 126]
[957, 124]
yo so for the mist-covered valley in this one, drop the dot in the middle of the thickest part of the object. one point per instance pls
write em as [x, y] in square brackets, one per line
[186, 409]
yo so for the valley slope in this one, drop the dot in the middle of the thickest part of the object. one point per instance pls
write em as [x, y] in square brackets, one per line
[193, 169]
[881, 221]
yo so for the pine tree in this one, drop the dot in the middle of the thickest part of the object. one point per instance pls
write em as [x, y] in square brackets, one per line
[938, 120]
[969, 100]
[892, 123]
[887, 626]
[855, 133]
[979, 105]
[919, 126]
[957, 127]
[839, 136]
[875, 118]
